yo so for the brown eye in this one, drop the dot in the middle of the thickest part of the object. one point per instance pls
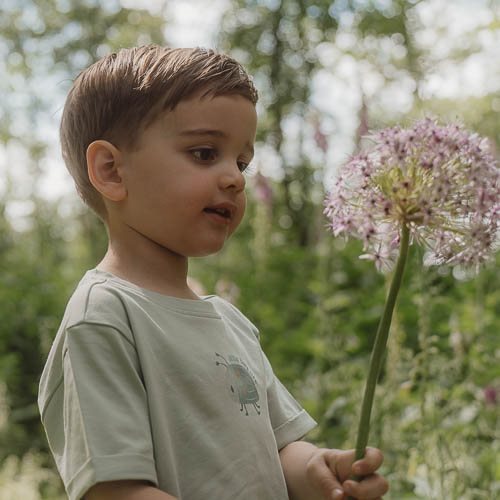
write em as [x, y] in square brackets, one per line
[242, 166]
[204, 154]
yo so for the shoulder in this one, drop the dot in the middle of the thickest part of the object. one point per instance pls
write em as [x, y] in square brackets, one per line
[95, 316]
[97, 300]
[231, 313]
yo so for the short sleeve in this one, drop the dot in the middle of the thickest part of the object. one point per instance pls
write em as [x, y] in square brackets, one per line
[97, 420]
[290, 422]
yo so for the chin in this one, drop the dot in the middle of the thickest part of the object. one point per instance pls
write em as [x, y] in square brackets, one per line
[206, 252]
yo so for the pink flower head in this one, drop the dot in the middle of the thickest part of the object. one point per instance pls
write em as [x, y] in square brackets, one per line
[442, 182]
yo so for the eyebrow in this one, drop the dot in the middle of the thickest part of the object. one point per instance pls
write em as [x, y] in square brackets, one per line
[211, 132]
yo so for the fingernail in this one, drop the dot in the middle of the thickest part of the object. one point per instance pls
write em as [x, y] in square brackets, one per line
[337, 494]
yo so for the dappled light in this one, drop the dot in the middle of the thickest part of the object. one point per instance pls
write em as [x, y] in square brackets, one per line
[328, 73]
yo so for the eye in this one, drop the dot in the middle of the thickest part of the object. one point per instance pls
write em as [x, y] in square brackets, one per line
[204, 154]
[242, 166]
[245, 167]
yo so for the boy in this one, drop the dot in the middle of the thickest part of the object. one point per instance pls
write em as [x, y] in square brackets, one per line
[151, 392]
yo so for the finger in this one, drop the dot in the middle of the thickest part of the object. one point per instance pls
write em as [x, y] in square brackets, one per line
[371, 487]
[320, 474]
[372, 460]
[340, 463]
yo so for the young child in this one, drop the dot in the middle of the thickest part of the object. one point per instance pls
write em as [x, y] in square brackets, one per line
[151, 392]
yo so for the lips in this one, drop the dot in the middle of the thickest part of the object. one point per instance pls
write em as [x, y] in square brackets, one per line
[224, 210]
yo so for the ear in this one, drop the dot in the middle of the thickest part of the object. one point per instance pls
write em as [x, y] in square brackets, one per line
[103, 162]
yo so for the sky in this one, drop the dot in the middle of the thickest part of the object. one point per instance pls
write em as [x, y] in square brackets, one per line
[335, 95]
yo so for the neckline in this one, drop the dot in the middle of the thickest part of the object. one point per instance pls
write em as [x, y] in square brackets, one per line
[202, 305]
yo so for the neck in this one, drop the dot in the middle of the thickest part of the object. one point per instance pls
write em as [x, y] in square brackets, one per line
[147, 265]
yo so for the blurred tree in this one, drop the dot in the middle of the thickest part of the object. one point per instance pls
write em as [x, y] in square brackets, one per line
[50, 41]
[316, 304]
[31, 299]
[276, 41]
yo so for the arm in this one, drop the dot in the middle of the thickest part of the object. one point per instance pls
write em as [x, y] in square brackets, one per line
[313, 473]
[294, 458]
[126, 490]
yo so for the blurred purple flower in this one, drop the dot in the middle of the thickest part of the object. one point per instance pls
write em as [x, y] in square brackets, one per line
[442, 182]
[320, 138]
[490, 395]
[263, 189]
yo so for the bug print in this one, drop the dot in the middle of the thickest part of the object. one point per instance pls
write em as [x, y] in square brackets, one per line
[242, 388]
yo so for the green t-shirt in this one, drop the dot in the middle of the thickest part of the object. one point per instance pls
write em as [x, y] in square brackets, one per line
[139, 385]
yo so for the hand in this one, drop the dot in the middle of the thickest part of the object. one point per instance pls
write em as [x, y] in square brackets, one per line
[329, 472]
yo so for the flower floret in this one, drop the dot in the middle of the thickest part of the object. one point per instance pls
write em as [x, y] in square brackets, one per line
[442, 182]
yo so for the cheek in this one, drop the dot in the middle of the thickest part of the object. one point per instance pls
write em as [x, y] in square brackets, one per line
[241, 212]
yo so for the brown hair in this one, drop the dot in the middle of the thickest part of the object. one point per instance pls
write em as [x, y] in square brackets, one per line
[121, 94]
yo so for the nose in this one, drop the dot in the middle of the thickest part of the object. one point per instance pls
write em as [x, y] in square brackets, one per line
[232, 178]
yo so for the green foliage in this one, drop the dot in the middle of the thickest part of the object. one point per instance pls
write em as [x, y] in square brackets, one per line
[315, 303]
[29, 478]
[30, 301]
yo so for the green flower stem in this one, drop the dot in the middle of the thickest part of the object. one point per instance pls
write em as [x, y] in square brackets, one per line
[379, 346]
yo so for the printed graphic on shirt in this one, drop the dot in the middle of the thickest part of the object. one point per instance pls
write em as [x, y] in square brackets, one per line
[241, 383]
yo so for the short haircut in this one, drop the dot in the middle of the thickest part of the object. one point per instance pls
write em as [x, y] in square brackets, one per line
[117, 97]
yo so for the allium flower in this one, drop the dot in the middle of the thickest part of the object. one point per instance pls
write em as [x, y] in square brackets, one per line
[437, 186]
[442, 182]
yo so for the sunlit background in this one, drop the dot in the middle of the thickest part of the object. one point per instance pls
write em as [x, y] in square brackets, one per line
[456, 58]
[328, 72]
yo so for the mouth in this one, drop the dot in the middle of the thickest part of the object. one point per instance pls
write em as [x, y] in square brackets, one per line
[223, 212]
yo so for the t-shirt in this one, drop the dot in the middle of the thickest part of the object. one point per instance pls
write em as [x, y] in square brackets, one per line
[178, 392]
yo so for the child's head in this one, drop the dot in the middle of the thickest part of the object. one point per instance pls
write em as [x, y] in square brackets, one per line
[117, 97]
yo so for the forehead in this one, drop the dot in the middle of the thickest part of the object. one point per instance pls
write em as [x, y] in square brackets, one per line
[231, 114]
